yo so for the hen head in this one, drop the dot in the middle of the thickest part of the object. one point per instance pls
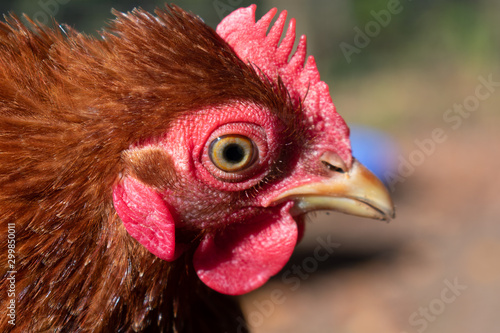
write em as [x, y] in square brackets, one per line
[236, 179]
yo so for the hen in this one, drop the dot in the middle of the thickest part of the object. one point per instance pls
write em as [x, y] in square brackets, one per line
[150, 173]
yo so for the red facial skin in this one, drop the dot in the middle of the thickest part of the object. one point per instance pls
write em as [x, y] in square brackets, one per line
[246, 241]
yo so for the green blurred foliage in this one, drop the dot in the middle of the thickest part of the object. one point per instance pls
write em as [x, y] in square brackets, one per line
[445, 30]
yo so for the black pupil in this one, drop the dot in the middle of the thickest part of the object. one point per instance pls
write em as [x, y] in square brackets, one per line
[234, 153]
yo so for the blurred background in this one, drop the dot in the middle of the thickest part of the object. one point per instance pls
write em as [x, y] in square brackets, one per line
[420, 83]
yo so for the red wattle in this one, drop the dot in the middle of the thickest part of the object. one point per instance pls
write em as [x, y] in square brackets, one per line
[244, 256]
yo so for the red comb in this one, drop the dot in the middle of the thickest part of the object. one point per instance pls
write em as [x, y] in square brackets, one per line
[250, 41]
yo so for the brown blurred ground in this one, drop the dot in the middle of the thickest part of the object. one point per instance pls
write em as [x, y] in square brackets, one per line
[447, 229]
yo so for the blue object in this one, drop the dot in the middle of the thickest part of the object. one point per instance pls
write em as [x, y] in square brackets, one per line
[375, 150]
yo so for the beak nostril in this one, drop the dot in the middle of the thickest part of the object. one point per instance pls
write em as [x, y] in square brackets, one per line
[333, 162]
[332, 167]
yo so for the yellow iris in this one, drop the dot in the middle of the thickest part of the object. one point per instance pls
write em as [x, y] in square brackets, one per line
[232, 153]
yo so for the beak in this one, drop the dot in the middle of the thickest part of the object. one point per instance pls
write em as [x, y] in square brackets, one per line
[356, 192]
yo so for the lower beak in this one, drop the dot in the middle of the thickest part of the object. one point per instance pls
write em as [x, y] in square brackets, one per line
[355, 192]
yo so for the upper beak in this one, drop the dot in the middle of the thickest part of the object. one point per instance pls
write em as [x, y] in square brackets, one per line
[356, 191]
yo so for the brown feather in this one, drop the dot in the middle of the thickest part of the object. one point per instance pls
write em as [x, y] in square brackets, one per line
[152, 166]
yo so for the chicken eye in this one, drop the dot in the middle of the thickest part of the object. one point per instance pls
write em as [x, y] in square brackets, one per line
[232, 153]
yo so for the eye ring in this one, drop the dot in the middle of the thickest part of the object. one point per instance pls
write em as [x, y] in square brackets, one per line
[232, 153]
